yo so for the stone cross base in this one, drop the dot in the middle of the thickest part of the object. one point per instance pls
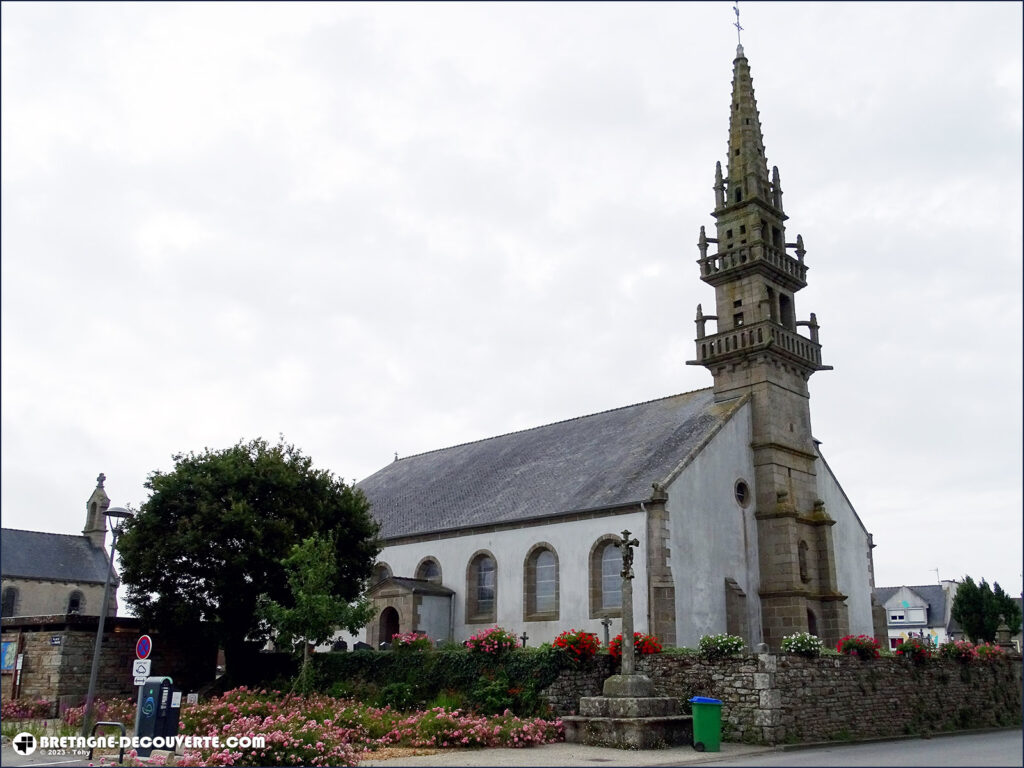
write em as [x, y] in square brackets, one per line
[632, 686]
[651, 722]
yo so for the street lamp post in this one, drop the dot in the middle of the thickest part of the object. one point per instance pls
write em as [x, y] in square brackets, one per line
[115, 518]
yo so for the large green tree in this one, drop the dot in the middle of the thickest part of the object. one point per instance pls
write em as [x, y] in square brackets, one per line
[979, 609]
[214, 533]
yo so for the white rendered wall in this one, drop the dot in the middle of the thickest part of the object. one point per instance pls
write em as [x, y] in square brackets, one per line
[852, 550]
[712, 537]
[571, 541]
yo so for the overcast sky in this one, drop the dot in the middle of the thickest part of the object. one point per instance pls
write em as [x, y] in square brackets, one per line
[391, 228]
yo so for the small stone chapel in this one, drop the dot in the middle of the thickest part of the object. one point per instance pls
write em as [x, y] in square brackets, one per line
[742, 526]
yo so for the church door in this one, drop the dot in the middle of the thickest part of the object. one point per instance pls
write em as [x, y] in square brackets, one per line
[388, 625]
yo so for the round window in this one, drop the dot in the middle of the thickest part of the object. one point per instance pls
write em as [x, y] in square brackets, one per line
[742, 493]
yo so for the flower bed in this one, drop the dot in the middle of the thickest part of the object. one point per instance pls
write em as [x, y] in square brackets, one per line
[861, 646]
[492, 642]
[917, 649]
[643, 645]
[23, 709]
[577, 645]
[719, 646]
[110, 710]
[989, 652]
[320, 730]
[802, 644]
[959, 650]
[411, 641]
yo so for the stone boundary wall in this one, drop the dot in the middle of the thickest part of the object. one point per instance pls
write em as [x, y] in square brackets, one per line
[781, 698]
[58, 659]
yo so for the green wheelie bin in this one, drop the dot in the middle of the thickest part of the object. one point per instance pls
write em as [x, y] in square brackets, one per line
[707, 724]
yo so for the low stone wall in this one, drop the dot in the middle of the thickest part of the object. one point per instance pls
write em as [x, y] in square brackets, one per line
[563, 695]
[779, 698]
[58, 653]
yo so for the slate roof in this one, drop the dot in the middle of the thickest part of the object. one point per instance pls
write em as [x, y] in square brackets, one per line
[51, 557]
[933, 594]
[591, 462]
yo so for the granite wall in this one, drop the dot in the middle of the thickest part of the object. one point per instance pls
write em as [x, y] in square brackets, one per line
[58, 651]
[780, 698]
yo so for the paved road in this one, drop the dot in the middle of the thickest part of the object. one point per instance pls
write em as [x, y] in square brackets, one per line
[997, 748]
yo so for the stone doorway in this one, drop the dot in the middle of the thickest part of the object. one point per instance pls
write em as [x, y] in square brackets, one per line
[388, 625]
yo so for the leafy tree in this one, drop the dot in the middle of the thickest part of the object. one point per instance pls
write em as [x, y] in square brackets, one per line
[978, 608]
[212, 536]
[316, 613]
[1008, 608]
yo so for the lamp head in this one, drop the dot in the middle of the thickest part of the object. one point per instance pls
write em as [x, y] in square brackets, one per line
[116, 517]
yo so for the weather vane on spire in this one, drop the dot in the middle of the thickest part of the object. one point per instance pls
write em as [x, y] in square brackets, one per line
[736, 8]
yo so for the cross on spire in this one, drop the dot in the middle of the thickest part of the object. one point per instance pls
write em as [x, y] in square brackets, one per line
[736, 8]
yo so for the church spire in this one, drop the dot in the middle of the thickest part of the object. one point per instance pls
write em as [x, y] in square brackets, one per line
[757, 347]
[747, 166]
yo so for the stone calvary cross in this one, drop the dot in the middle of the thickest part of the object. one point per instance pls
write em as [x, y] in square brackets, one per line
[628, 715]
[628, 682]
[626, 544]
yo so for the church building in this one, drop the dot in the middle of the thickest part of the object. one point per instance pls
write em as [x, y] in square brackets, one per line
[742, 526]
[50, 574]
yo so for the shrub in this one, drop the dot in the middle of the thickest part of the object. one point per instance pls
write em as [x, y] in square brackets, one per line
[958, 650]
[803, 644]
[411, 641]
[112, 710]
[643, 645]
[989, 652]
[576, 645]
[720, 646]
[492, 642]
[23, 709]
[917, 649]
[861, 646]
[492, 696]
[400, 696]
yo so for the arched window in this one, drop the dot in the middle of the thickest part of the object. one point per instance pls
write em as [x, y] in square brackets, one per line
[75, 602]
[9, 602]
[381, 571]
[802, 559]
[481, 589]
[611, 577]
[429, 570]
[540, 580]
[605, 578]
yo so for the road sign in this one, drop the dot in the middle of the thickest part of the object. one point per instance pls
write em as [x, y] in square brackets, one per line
[140, 680]
[142, 667]
[144, 647]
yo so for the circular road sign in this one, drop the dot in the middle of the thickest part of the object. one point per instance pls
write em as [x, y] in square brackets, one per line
[144, 647]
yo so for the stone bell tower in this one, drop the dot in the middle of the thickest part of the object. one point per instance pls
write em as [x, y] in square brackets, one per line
[756, 347]
[95, 514]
